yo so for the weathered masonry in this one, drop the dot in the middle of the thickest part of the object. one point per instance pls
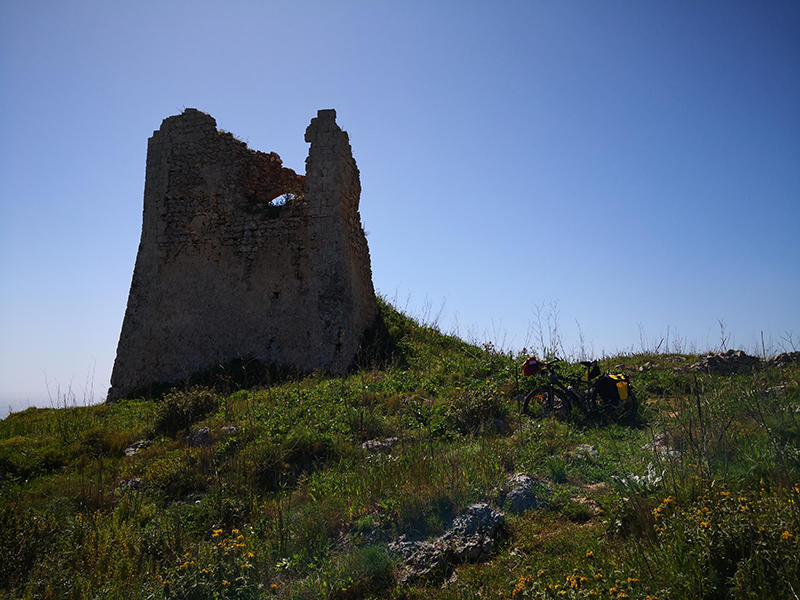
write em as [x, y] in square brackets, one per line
[224, 272]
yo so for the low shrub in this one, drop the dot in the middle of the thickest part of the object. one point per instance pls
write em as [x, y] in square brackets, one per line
[470, 410]
[26, 537]
[180, 409]
[732, 544]
[226, 565]
[176, 473]
[24, 457]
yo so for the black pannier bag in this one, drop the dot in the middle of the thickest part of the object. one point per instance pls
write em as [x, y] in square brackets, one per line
[613, 389]
[594, 370]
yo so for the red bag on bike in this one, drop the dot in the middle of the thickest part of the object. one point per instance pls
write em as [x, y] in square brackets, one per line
[531, 367]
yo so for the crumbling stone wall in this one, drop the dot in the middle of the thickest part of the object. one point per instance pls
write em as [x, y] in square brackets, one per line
[225, 273]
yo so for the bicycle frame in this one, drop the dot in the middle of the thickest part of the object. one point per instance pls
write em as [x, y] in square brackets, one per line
[561, 393]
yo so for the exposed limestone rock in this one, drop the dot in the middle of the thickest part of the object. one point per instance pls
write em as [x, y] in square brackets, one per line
[200, 438]
[662, 445]
[471, 538]
[584, 451]
[137, 447]
[380, 446]
[225, 273]
[526, 493]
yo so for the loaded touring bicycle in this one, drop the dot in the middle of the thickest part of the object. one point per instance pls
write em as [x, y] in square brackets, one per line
[605, 395]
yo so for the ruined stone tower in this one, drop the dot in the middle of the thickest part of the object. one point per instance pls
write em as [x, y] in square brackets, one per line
[224, 272]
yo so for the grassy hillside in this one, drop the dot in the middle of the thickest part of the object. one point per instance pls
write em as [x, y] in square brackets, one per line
[696, 497]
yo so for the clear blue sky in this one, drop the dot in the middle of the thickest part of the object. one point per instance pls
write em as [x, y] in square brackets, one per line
[635, 163]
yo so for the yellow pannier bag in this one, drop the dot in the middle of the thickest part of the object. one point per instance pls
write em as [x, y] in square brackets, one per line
[622, 386]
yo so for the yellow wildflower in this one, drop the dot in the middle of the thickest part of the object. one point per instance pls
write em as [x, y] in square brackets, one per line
[787, 535]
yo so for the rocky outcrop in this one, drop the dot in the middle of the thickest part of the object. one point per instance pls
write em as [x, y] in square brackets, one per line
[471, 538]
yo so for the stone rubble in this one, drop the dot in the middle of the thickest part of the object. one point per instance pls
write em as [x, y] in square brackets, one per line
[732, 362]
[782, 361]
[727, 363]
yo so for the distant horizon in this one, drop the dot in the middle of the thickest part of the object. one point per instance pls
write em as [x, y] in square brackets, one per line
[86, 393]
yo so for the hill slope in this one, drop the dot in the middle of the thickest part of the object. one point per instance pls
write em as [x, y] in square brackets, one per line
[308, 486]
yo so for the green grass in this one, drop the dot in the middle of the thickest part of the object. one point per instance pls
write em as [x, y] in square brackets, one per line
[286, 503]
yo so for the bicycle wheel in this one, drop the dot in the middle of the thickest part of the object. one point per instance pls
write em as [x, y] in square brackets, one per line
[555, 404]
[534, 397]
[630, 406]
